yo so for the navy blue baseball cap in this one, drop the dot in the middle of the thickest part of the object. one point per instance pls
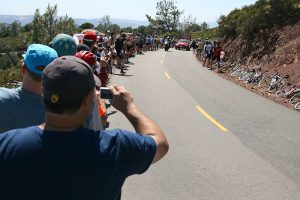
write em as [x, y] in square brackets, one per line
[37, 57]
[68, 79]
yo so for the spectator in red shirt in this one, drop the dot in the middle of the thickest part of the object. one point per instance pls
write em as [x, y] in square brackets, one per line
[217, 54]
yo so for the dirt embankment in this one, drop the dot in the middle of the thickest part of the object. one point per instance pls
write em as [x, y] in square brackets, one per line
[273, 49]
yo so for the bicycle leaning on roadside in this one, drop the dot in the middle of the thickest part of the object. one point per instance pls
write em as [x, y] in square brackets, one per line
[242, 72]
[288, 92]
[276, 82]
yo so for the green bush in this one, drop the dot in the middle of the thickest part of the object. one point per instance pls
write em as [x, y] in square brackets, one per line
[212, 34]
[11, 44]
[250, 20]
[10, 75]
[9, 60]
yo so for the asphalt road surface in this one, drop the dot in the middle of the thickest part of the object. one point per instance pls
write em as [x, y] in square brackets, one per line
[226, 142]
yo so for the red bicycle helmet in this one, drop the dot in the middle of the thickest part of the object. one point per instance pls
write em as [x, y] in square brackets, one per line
[87, 56]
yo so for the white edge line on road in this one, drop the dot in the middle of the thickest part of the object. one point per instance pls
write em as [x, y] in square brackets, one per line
[222, 128]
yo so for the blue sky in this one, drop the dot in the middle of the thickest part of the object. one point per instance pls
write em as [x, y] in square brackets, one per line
[202, 10]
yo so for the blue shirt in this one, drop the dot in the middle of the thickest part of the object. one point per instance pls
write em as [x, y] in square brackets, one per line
[20, 108]
[83, 164]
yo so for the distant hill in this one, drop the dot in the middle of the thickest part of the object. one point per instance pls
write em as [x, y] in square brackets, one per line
[25, 19]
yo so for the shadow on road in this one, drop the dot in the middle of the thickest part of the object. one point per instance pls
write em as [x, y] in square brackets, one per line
[120, 74]
[130, 63]
[112, 112]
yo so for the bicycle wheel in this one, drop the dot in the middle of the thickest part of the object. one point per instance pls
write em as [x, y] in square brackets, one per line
[280, 93]
[261, 81]
[281, 85]
[295, 98]
[271, 88]
[242, 74]
[248, 78]
[235, 73]
[297, 106]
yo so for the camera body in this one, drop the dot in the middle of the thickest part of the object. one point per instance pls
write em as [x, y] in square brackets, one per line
[105, 93]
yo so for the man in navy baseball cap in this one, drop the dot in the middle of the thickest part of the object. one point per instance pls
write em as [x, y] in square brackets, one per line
[60, 159]
[68, 79]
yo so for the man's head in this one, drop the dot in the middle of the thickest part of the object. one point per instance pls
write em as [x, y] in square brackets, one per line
[83, 47]
[68, 87]
[88, 57]
[65, 45]
[36, 58]
[90, 38]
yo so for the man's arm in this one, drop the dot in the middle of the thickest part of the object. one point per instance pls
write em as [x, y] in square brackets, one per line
[123, 101]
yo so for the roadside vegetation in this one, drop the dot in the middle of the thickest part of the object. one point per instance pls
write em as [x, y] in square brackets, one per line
[265, 33]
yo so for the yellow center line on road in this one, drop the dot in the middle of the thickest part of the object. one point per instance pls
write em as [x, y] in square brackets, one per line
[168, 76]
[161, 62]
[222, 128]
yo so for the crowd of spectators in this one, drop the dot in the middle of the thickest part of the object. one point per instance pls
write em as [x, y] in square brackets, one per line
[53, 142]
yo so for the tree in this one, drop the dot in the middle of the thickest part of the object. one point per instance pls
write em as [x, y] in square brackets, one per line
[204, 26]
[87, 25]
[66, 25]
[186, 25]
[284, 10]
[167, 15]
[27, 28]
[142, 30]
[114, 28]
[194, 27]
[4, 30]
[127, 29]
[7, 30]
[50, 21]
[15, 28]
[104, 24]
[38, 31]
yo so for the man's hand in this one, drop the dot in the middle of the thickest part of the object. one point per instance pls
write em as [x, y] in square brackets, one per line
[122, 99]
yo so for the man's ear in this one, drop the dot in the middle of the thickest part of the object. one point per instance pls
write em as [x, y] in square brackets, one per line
[23, 69]
[88, 99]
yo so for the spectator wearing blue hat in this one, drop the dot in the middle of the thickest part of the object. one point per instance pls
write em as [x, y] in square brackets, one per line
[64, 45]
[23, 106]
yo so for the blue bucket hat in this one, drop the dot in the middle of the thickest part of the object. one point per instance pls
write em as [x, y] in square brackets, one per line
[37, 57]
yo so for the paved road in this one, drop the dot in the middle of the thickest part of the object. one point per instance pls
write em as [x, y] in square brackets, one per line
[225, 141]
